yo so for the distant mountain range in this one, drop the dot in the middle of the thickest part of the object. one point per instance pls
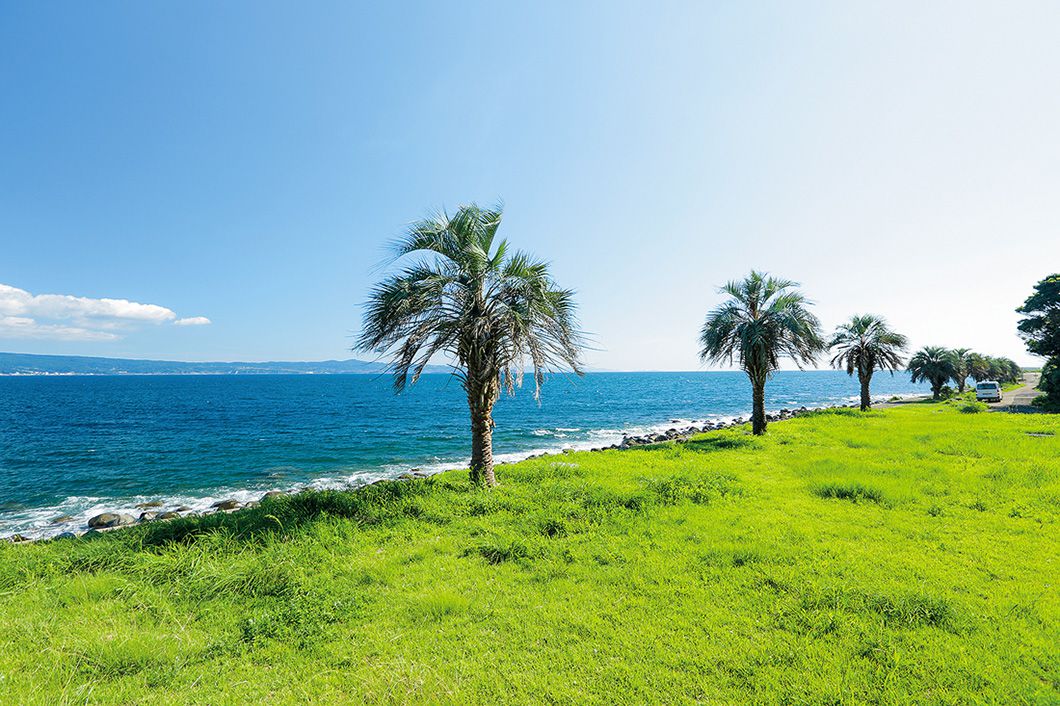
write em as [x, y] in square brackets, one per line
[28, 364]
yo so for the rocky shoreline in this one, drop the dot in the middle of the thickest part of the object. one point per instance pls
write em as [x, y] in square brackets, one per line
[151, 511]
[685, 433]
[155, 511]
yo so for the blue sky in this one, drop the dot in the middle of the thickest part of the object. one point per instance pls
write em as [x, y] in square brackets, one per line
[245, 163]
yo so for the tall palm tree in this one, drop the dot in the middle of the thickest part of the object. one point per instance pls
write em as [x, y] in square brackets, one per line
[933, 364]
[978, 367]
[962, 366]
[464, 295]
[864, 345]
[763, 322]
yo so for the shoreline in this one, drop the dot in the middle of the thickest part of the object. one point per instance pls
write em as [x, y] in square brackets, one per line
[141, 509]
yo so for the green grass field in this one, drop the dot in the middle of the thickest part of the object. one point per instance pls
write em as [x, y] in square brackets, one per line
[908, 555]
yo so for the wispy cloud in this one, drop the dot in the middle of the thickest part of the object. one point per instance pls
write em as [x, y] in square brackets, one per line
[24, 327]
[66, 317]
[192, 321]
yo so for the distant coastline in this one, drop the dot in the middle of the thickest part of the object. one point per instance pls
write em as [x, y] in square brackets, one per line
[27, 364]
[43, 365]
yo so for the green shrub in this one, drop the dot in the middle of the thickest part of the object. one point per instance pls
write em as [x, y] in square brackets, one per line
[700, 491]
[838, 412]
[853, 491]
[441, 604]
[909, 610]
[971, 407]
[1049, 401]
[914, 610]
[721, 442]
[301, 621]
[552, 527]
[499, 551]
[1046, 403]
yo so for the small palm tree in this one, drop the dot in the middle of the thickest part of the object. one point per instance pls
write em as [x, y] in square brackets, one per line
[962, 366]
[490, 310]
[1003, 369]
[1015, 371]
[864, 345]
[933, 364]
[763, 322]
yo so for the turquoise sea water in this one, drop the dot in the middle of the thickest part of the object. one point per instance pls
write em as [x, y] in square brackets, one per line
[80, 445]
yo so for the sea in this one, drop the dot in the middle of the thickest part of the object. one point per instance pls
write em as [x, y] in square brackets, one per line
[81, 445]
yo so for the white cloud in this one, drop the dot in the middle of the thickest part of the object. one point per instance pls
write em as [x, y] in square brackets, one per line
[14, 301]
[192, 321]
[66, 317]
[24, 327]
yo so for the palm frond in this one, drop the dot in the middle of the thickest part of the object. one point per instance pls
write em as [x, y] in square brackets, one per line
[866, 344]
[461, 294]
[763, 322]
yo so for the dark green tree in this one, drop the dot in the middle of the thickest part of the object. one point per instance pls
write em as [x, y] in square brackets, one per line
[464, 295]
[1040, 325]
[1040, 328]
[1050, 386]
[764, 321]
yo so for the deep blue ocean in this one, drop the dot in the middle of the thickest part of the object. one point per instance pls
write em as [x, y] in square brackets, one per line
[82, 444]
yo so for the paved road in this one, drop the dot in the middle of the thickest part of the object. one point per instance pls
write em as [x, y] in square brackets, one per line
[1020, 397]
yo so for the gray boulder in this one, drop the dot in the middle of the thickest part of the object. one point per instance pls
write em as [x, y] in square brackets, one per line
[110, 519]
[226, 505]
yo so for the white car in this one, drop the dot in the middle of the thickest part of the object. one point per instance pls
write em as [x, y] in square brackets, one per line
[988, 391]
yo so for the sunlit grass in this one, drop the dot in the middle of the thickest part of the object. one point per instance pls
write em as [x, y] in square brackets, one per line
[910, 555]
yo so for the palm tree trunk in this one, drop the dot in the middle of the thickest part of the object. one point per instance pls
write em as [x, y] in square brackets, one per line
[758, 410]
[866, 399]
[482, 448]
[481, 396]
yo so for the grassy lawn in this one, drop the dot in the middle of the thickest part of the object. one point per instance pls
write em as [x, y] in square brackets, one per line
[906, 555]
